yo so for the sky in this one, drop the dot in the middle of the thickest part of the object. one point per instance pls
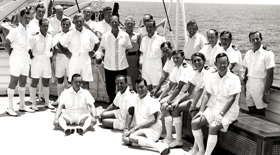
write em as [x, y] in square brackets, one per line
[217, 1]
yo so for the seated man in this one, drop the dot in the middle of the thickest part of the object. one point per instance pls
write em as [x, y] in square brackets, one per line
[147, 115]
[76, 102]
[222, 109]
[112, 117]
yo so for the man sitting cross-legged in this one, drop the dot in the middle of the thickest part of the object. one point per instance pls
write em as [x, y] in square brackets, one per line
[112, 117]
[76, 102]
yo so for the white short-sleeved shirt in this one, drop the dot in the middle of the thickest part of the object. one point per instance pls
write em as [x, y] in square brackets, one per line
[168, 66]
[79, 42]
[146, 107]
[103, 27]
[125, 101]
[194, 44]
[151, 47]
[57, 37]
[258, 62]
[115, 55]
[19, 38]
[76, 102]
[41, 45]
[142, 31]
[221, 89]
[55, 24]
[92, 24]
[34, 26]
[210, 52]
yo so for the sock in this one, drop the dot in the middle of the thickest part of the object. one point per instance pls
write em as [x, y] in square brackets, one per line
[11, 93]
[198, 135]
[142, 141]
[211, 143]
[60, 88]
[178, 128]
[21, 92]
[32, 92]
[46, 92]
[168, 126]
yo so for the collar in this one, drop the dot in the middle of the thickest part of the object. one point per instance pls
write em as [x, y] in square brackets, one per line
[217, 44]
[146, 97]
[155, 35]
[73, 91]
[194, 36]
[20, 26]
[183, 63]
[229, 48]
[42, 35]
[75, 30]
[227, 74]
[119, 34]
[259, 50]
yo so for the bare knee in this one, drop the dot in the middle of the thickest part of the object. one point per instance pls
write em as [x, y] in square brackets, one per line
[60, 80]
[22, 81]
[213, 129]
[133, 138]
[13, 82]
[126, 141]
[34, 83]
[196, 124]
[45, 82]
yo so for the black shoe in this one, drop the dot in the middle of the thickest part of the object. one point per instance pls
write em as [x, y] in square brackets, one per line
[80, 131]
[69, 131]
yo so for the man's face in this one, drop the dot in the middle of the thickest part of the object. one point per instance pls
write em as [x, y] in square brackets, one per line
[87, 13]
[107, 13]
[65, 25]
[25, 19]
[145, 19]
[255, 40]
[129, 26]
[114, 22]
[79, 22]
[166, 51]
[198, 62]
[44, 27]
[40, 13]
[212, 38]
[222, 64]
[77, 82]
[225, 40]
[59, 13]
[177, 59]
[121, 84]
[150, 28]
[192, 29]
[141, 88]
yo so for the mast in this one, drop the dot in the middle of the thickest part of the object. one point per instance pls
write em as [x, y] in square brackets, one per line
[177, 25]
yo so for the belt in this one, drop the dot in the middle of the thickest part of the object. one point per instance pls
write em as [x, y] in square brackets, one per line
[132, 53]
[80, 54]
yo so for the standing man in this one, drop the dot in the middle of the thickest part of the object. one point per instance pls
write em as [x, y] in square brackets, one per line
[40, 45]
[55, 20]
[133, 53]
[142, 30]
[195, 41]
[17, 47]
[114, 46]
[34, 23]
[79, 109]
[93, 25]
[105, 24]
[148, 125]
[81, 43]
[152, 63]
[259, 63]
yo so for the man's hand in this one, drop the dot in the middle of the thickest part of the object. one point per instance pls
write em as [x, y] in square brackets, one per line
[68, 54]
[55, 122]
[218, 119]
[125, 131]
[30, 54]
[129, 132]
[192, 110]
[174, 106]
[91, 54]
[265, 98]
[164, 106]
[93, 121]
[199, 114]
[154, 91]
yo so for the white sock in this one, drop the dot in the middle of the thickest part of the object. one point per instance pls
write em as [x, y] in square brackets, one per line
[211, 143]
[87, 123]
[46, 92]
[21, 92]
[168, 126]
[32, 92]
[60, 88]
[11, 93]
[142, 141]
[198, 135]
[178, 128]
[62, 123]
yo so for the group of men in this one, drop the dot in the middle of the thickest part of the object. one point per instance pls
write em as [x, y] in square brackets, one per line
[181, 83]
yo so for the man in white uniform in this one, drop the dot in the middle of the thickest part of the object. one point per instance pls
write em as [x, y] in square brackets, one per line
[17, 47]
[142, 30]
[222, 108]
[114, 115]
[79, 108]
[105, 24]
[148, 125]
[82, 43]
[55, 20]
[88, 11]
[150, 47]
[40, 45]
[260, 64]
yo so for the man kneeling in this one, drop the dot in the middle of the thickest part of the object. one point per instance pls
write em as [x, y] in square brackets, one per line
[76, 114]
[148, 125]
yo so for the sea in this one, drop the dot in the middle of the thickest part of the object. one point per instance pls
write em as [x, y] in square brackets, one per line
[239, 19]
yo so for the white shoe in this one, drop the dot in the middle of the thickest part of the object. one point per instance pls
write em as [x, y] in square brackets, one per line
[165, 148]
[49, 107]
[11, 112]
[24, 109]
[175, 144]
[167, 141]
[193, 151]
[34, 107]
[199, 153]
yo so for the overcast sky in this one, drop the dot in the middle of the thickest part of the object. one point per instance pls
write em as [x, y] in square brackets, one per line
[217, 1]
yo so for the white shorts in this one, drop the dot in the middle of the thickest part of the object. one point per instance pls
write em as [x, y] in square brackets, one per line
[254, 92]
[75, 118]
[41, 67]
[119, 123]
[80, 65]
[153, 133]
[152, 71]
[62, 63]
[19, 64]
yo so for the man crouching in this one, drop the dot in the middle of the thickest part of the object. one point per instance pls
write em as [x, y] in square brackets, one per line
[76, 114]
[148, 125]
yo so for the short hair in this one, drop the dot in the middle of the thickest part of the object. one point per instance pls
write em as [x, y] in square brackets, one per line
[226, 32]
[166, 43]
[137, 81]
[25, 11]
[220, 55]
[192, 22]
[77, 16]
[123, 76]
[40, 6]
[42, 20]
[107, 8]
[64, 19]
[75, 75]
[151, 21]
[255, 32]
[150, 16]
[129, 18]
[115, 16]
[181, 52]
[198, 54]
[215, 31]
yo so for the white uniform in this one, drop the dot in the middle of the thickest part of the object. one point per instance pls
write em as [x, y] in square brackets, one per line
[103, 27]
[194, 44]
[221, 89]
[55, 24]
[62, 61]
[76, 104]
[34, 26]
[257, 63]
[168, 66]
[124, 102]
[80, 44]
[142, 31]
[144, 108]
[93, 25]
[210, 52]
[40, 64]
[152, 54]
[19, 60]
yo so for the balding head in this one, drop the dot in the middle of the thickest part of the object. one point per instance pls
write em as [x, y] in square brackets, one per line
[58, 11]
